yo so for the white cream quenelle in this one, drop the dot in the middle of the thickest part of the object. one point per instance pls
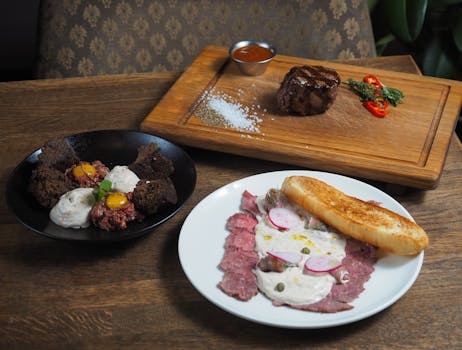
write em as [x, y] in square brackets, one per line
[123, 179]
[73, 208]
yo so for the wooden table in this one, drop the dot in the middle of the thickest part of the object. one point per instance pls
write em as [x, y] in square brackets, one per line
[57, 295]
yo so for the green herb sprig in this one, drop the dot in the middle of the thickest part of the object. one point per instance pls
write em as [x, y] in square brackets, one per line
[102, 189]
[368, 92]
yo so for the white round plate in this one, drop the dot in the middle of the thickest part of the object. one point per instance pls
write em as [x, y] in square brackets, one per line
[201, 248]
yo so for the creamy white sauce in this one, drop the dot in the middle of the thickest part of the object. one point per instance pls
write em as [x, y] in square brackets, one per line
[73, 208]
[300, 286]
[123, 179]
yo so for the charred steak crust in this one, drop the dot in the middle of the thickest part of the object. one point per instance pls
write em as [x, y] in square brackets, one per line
[308, 90]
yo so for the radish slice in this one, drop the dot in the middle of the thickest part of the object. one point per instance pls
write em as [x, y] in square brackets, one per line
[314, 221]
[286, 257]
[283, 218]
[322, 264]
[315, 224]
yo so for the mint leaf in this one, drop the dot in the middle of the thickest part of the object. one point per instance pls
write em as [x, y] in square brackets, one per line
[105, 185]
[100, 191]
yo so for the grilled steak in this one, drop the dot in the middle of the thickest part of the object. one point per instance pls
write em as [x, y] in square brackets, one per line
[308, 90]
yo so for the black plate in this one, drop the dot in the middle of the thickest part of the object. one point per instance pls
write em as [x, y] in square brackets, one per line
[112, 147]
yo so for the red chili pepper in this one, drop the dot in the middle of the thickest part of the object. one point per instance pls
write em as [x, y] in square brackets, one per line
[373, 81]
[375, 108]
[382, 102]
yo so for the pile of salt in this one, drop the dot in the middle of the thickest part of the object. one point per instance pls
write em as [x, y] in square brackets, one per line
[234, 114]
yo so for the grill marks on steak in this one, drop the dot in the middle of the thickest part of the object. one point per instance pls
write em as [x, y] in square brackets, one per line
[240, 258]
[308, 90]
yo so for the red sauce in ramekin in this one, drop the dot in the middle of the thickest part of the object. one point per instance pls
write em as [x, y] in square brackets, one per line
[252, 53]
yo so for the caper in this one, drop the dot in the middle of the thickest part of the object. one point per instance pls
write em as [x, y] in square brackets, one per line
[280, 287]
[305, 250]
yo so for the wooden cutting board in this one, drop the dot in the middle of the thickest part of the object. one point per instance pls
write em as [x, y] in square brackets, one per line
[407, 147]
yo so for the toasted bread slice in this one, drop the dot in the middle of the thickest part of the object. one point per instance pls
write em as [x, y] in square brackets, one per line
[364, 221]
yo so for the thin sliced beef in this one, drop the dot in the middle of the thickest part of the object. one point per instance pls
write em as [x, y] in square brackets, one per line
[326, 305]
[341, 275]
[240, 284]
[361, 251]
[236, 260]
[240, 239]
[240, 258]
[241, 220]
[248, 203]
